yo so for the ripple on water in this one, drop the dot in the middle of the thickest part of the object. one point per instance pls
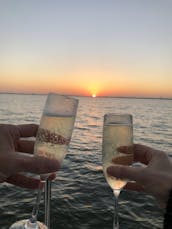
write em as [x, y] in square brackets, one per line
[81, 198]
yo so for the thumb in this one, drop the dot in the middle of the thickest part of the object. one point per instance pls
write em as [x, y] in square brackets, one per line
[130, 173]
[36, 164]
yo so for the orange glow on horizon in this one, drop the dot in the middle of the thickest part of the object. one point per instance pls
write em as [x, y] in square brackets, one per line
[85, 84]
[84, 90]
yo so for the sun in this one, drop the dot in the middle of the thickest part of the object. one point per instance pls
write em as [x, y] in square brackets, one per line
[94, 95]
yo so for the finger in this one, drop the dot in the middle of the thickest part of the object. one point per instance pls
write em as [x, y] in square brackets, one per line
[125, 149]
[134, 187]
[130, 173]
[23, 181]
[8, 135]
[141, 153]
[123, 159]
[26, 146]
[36, 164]
[27, 130]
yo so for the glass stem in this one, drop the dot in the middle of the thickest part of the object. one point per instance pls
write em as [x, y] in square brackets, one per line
[47, 202]
[32, 222]
[38, 198]
[116, 219]
[35, 210]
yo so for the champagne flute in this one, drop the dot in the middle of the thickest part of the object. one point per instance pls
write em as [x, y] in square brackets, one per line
[52, 141]
[117, 131]
[56, 128]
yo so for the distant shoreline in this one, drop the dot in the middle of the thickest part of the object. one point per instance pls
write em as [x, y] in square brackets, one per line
[117, 97]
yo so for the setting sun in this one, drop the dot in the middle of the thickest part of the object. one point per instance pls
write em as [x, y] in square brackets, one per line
[94, 62]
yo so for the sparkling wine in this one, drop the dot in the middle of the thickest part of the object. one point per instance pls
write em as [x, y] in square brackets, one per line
[53, 136]
[116, 135]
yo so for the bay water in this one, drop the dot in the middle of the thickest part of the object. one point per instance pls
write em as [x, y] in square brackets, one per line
[81, 198]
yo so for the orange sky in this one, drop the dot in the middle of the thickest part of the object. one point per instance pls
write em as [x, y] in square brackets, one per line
[105, 49]
[86, 85]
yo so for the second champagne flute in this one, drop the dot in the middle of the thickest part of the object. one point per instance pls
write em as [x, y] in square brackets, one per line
[117, 131]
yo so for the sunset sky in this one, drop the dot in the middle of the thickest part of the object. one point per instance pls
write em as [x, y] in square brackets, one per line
[85, 47]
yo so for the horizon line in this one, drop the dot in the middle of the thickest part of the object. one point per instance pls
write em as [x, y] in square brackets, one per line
[111, 96]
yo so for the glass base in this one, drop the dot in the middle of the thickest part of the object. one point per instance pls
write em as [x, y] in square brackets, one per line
[26, 224]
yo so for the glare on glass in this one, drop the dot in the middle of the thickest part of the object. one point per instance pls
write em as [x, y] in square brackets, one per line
[52, 141]
[117, 131]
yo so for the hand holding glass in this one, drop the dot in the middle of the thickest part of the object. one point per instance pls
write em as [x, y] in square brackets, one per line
[117, 131]
[52, 141]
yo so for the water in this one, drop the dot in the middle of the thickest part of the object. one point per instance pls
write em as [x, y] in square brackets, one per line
[81, 198]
